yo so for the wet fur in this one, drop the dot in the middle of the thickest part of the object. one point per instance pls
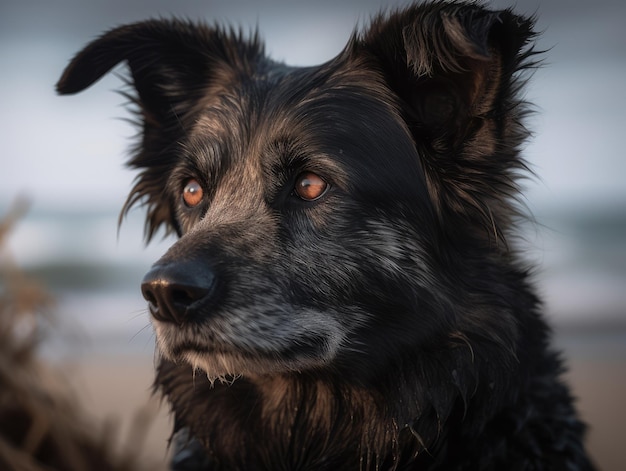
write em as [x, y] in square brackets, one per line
[390, 324]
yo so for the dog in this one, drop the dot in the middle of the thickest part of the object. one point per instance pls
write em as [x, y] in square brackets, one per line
[345, 276]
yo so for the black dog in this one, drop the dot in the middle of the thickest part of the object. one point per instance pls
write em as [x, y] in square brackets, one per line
[344, 274]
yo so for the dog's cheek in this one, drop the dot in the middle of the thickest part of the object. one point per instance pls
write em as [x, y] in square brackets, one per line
[321, 264]
[322, 272]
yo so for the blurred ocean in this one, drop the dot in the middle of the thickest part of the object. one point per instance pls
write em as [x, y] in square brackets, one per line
[94, 272]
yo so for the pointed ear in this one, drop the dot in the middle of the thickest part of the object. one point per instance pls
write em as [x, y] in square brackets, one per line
[173, 64]
[454, 67]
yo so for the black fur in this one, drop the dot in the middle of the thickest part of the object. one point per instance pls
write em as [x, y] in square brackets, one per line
[387, 324]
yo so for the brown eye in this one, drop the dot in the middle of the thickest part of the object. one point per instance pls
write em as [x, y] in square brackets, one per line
[192, 193]
[310, 186]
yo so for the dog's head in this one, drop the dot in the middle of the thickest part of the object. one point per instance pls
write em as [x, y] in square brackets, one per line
[324, 213]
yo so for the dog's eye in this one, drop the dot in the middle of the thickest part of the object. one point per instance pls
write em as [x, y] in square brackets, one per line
[310, 186]
[192, 193]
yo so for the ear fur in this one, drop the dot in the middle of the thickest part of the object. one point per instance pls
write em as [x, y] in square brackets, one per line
[455, 67]
[172, 65]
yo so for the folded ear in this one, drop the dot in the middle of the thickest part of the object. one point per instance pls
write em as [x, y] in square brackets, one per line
[455, 67]
[173, 64]
[167, 61]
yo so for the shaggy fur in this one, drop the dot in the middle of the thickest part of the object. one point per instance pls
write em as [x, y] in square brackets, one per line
[387, 323]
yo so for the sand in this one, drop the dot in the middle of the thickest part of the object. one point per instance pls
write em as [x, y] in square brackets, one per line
[116, 394]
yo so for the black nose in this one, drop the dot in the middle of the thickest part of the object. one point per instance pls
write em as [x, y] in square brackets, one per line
[174, 291]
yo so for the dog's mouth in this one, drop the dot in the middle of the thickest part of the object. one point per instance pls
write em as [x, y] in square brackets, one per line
[245, 356]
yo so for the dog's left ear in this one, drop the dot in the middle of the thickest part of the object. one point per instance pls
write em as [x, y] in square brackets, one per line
[454, 67]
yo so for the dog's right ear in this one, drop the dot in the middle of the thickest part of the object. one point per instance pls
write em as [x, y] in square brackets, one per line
[173, 65]
[171, 62]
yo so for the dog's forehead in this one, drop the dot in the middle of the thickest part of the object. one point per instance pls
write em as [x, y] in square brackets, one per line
[341, 113]
[269, 102]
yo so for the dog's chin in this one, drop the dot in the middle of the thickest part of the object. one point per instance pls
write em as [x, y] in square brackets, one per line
[227, 367]
[225, 362]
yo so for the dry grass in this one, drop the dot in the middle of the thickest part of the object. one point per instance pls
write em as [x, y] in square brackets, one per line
[42, 426]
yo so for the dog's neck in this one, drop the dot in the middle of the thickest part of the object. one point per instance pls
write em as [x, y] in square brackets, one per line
[312, 418]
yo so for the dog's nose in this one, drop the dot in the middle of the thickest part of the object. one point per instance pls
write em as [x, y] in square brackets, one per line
[174, 289]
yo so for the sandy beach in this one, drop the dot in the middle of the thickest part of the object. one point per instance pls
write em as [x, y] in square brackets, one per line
[597, 374]
[115, 392]
[114, 389]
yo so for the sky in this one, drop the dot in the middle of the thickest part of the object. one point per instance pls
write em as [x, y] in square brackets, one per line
[69, 152]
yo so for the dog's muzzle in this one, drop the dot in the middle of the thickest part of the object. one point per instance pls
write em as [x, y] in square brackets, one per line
[175, 291]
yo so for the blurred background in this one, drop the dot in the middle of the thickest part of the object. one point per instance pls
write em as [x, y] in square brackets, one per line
[66, 156]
